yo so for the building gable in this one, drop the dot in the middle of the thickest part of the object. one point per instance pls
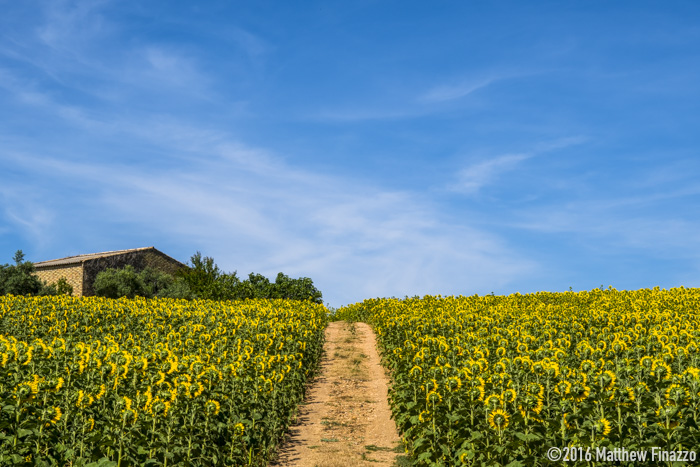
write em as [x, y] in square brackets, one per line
[80, 271]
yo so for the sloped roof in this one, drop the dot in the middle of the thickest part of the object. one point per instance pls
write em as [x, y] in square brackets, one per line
[81, 258]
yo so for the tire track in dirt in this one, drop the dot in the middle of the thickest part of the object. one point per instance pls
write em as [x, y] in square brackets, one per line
[345, 419]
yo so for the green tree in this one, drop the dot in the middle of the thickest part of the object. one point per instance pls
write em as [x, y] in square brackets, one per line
[259, 286]
[149, 283]
[177, 289]
[205, 280]
[19, 278]
[116, 283]
[296, 289]
[256, 286]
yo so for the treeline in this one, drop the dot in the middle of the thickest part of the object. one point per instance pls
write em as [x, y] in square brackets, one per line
[202, 279]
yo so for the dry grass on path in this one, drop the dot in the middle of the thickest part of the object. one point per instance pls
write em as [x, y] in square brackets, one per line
[345, 420]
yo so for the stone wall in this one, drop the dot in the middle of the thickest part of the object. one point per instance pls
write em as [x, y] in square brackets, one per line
[72, 272]
[158, 260]
[139, 259]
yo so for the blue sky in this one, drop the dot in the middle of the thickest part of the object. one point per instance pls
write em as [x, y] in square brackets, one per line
[382, 148]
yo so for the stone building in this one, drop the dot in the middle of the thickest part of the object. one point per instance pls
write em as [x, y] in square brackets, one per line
[80, 271]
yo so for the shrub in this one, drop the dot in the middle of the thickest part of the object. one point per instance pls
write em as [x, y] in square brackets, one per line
[62, 287]
[149, 283]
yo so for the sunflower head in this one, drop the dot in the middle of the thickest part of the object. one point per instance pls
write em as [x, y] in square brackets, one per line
[676, 395]
[608, 379]
[492, 401]
[434, 397]
[646, 362]
[587, 366]
[454, 383]
[603, 427]
[565, 419]
[508, 395]
[498, 419]
[213, 407]
[563, 388]
[661, 370]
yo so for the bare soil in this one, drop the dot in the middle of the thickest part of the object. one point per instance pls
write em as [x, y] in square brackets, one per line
[345, 419]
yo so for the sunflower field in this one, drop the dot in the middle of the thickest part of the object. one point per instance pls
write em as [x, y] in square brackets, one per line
[498, 380]
[95, 381]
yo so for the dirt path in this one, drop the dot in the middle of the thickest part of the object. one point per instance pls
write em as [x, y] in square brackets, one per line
[345, 420]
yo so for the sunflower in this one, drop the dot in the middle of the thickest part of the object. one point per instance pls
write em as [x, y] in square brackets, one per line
[34, 385]
[492, 401]
[553, 369]
[603, 426]
[692, 373]
[536, 389]
[57, 415]
[29, 355]
[128, 411]
[676, 394]
[608, 379]
[213, 406]
[619, 346]
[661, 370]
[498, 419]
[563, 388]
[454, 383]
[646, 361]
[24, 390]
[587, 366]
[508, 395]
[580, 392]
[59, 384]
[565, 421]
[434, 397]
[666, 411]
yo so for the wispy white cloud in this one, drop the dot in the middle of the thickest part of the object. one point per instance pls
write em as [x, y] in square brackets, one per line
[470, 180]
[23, 208]
[368, 114]
[78, 46]
[417, 104]
[445, 92]
[409, 107]
[166, 67]
[70, 25]
[252, 44]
